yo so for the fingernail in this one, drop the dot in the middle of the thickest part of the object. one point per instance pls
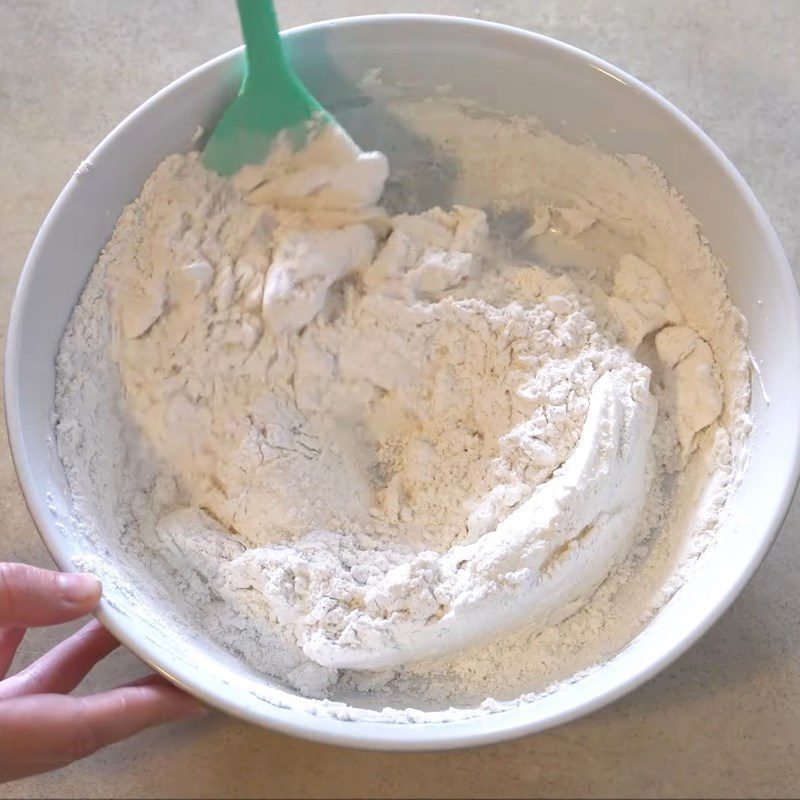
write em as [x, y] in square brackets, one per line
[78, 587]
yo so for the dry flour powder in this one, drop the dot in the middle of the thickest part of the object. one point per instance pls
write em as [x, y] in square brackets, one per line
[408, 458]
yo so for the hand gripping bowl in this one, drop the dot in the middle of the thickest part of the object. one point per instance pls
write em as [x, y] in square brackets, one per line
[571, 92]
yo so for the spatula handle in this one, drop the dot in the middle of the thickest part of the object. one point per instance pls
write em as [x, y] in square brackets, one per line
[265, 59]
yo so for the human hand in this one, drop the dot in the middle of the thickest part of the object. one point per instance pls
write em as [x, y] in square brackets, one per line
[41, 726]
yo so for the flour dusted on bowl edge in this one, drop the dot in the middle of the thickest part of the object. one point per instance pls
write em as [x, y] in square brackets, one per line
[446, 455]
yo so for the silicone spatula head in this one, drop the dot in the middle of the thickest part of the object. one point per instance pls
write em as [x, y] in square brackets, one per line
[272, 98]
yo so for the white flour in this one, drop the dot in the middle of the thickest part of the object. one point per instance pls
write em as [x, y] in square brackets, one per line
[388, 455]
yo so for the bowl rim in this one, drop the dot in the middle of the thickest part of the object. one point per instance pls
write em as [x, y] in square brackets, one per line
[382, 736]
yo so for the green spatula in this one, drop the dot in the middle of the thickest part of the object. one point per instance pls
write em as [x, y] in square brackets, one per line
[272, 98]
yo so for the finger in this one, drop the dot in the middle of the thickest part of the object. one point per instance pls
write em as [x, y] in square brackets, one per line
[30, 596]
[9, 642]
[65, 666]
[123, 712]
[47, 731]
[35, 734]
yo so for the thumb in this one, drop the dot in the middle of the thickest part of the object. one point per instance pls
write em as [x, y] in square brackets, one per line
[30, 596]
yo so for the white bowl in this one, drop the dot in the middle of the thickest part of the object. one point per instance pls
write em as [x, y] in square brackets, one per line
[574, 94]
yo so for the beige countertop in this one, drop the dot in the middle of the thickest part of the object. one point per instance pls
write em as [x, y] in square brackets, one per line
[725, 719]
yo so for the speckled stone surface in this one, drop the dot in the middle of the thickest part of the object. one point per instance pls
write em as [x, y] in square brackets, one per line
[724, 721]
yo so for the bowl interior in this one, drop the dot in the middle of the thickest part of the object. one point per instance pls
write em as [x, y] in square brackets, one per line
[574, 95]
